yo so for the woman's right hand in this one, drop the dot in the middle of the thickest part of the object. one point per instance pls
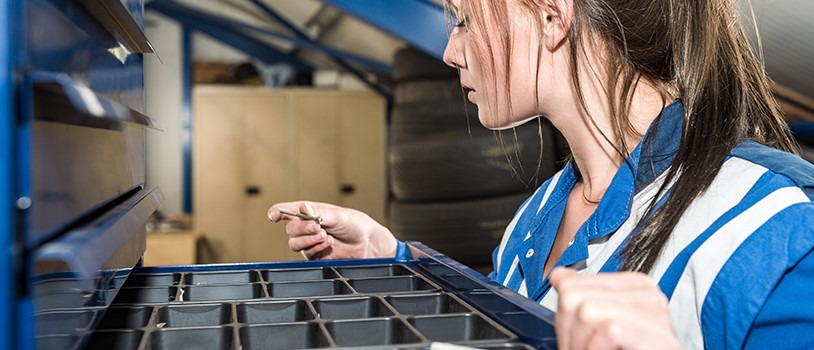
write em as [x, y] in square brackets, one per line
[344, 233]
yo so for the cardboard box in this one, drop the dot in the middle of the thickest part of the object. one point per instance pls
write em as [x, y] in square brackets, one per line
[170, 248]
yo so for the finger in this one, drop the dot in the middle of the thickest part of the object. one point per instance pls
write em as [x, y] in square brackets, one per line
[274, 212]
[605, 337]
[632, 334]
[564, 316]
[616, 280]
[591, 315]
[306, 242]
[297, 228]
[572, 302]
[331, 217]
[606, 324]
[560, 274]
[566, 282]
[575, 290]
[307, 208]
[319, 251]
[568, 305]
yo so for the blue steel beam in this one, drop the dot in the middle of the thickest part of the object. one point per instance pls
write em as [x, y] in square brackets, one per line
[194, 20]
[186, 14]
[186, 116]
[384, 92]
[8, 275]
[420, 23]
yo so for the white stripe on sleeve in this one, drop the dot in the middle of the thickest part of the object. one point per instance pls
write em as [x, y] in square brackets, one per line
[707, 261]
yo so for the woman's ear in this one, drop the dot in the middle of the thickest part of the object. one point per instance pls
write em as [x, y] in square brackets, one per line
[556, 22]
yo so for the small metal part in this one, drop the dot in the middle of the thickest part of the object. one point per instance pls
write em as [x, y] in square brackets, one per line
[23, 203]
[317, 219]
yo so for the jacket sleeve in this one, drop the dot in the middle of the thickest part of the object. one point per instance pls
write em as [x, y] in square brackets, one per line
[786, 320]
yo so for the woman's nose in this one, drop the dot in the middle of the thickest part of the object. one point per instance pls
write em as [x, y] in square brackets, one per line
[454, 53]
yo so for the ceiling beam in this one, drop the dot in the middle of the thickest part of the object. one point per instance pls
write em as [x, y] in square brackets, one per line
[421, 23]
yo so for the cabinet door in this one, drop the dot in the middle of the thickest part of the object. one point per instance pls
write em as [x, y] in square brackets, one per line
[316, 120]
[216, 173]
[268, 176]
[362, 181]
[241, 147]
[340, 142]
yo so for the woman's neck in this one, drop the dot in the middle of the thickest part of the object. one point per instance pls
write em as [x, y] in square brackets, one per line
[596, 156]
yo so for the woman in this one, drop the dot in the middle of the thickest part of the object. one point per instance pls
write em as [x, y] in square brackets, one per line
[682, 175]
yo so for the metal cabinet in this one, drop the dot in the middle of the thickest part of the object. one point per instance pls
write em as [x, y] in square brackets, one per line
[73, 181]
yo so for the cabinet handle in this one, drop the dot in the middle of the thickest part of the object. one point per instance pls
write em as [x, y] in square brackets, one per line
[347, 189]
[252, 190]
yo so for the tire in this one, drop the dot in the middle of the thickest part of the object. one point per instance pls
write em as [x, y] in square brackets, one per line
[428, 91]
[453, 167]
[419, 120]
[467, 231]
[413, 64]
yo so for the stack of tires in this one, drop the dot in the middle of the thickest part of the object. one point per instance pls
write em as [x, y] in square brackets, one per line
[455, 185]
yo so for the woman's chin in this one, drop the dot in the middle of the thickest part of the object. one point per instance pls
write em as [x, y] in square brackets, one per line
[492, 124]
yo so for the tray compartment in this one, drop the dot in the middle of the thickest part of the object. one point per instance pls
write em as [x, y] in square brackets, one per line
[218, 338]
[492, 302]
[153, 280]
[349, 308]
[382, 331]
[56, 341]
[119, 340]
[274, 312]
[223, 292]
[62, 322]
[294, 275]
[426, 304]
[391, 285]
[194, 315]
[305, 335]
[126, 318]
[457, 328]
[229, 277]
[145, 295]
[308, 289]
[374, 271]
[56, 286]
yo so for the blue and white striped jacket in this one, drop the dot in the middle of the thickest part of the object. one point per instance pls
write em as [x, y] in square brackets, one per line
[737, 269]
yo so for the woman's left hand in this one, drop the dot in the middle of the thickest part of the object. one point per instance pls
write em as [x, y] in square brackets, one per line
[611, 311]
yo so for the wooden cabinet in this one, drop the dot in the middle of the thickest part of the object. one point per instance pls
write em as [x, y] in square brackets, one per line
[254, 147]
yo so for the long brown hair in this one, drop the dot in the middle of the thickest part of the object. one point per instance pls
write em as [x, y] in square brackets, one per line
[696, 50]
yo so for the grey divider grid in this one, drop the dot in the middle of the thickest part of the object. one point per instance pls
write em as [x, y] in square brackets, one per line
[374, 306]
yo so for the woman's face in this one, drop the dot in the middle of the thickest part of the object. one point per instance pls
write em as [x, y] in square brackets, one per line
[505, 97]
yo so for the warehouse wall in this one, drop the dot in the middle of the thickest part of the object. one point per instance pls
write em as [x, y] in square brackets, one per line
[162, 96]
[163, 84]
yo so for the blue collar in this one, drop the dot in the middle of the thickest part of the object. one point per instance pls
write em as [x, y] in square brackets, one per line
[651, 157]
[648, 160]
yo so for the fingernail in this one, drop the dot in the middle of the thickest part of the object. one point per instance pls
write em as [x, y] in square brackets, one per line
[309, 208]
[319, 237]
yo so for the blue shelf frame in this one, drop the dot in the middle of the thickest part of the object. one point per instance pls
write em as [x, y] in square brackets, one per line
[8, 286]
[420, 23]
